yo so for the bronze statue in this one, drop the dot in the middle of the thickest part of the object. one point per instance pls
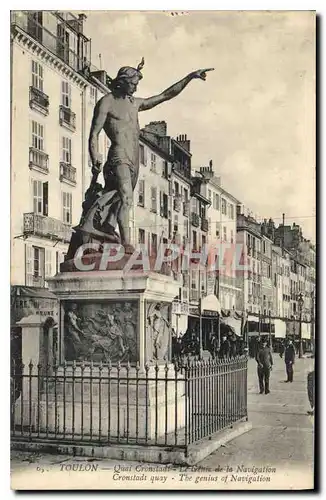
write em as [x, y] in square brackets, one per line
[117, 113]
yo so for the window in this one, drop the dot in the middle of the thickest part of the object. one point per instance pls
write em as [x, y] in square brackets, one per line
[176, 224]
[48, 263]
[67, 208]
[37, 76]
[141, 192]
[231, 211]
[202, 211]
[210, 195]
[34, 266]
[141, 236]
[40, 197]
[37, 136]
[186, 228]
[153, 199]
[185, 194]
[38, 262]
[142, 154]
[232, 236]
[164, 200]
[153, 162]
[66, 94]
[224, 233]
[223, 206]
[154, 243]
[217, 229]
[216, 203]
[194, 240]
[209, 225]
[66, 150]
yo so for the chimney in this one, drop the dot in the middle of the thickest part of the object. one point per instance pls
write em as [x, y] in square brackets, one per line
[184, 142]
[158, 128]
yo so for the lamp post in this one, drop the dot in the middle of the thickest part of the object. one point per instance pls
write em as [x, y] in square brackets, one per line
[300, 302]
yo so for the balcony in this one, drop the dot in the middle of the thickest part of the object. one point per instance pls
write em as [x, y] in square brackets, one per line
[204, 225]
[67, 118]
[38, 101]
[186, 209]
[67, 174]
[46, 227]
[194, 219]
[38, 160]
[53, 34]
[177, 203]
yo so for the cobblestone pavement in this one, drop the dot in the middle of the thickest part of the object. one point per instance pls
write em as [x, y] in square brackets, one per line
[281, 437]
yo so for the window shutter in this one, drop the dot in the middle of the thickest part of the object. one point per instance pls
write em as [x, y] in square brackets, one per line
[29, 264]
[48, 262]
[45, 198]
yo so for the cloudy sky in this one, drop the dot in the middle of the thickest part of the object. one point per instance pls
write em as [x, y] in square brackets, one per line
[255, 114]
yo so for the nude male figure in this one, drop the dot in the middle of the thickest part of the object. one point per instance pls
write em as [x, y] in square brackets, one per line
[117, 114]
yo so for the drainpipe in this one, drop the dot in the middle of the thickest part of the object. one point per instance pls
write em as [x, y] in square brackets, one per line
[83, 139]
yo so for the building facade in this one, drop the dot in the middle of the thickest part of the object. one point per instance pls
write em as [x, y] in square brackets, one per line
[47, 151]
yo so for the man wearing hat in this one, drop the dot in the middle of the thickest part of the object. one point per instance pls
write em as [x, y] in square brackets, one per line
[264, 366]
[117, 114]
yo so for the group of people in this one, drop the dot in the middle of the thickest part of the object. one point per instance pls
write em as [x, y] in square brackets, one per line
[264, 360]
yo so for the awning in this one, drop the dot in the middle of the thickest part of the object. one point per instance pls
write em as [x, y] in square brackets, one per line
[210, 303]
[305, 331]
[280, 328]
[27, 300]
[233, 323]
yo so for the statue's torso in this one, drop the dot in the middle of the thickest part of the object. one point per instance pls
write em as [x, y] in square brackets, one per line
[122, 128]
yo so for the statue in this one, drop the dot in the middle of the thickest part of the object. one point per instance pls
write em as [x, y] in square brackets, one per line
[159, 329]
[107, 207]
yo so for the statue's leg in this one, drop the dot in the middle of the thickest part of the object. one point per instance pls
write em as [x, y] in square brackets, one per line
[124, 186]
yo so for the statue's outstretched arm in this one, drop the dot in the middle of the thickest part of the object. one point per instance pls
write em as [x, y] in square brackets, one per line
[172, 91]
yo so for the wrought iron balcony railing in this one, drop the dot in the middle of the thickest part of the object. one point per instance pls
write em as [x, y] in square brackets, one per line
[40, 225]
[67, 173]
[67, 118]
[177, 203]
[204, 225]
[186, 208]
[39, 101]
[194, 219]
[38, 160]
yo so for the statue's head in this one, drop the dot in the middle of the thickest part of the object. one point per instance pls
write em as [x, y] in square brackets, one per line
[127, 80]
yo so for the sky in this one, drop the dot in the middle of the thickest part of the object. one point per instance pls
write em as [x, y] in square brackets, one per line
[254, 116]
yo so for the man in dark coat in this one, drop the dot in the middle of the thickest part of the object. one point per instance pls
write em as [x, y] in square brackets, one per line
[224, 351]
[289, 357]
[264, 366]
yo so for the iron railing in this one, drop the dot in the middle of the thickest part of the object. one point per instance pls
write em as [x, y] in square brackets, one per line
[67, 118]
[67, 172]
[194, 219]
[161, 405]
[38, 160]
[41, 225]
[39, 100]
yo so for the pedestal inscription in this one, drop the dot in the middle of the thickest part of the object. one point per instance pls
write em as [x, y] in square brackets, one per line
[100, 331]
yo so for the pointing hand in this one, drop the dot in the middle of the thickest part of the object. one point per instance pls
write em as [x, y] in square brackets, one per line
[201, 73]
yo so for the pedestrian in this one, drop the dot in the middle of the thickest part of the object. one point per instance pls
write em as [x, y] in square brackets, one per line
[264, 366]
[224, 351]
[311, 391]
[289, 357]
[281, 349]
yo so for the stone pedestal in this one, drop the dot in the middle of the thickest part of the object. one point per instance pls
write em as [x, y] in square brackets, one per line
[110, 319]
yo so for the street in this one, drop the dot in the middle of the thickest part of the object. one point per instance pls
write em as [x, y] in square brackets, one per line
[281, 438]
